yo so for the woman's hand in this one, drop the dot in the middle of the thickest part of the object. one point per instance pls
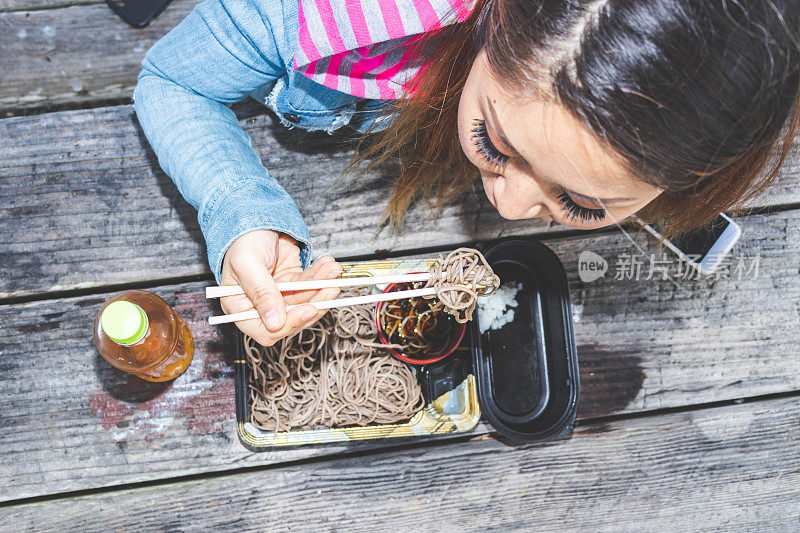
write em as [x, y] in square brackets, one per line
[256, 261]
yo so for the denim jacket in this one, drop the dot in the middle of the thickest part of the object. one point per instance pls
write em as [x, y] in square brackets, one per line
[222, 52]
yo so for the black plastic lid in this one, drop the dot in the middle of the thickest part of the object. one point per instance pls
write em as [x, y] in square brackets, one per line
[527, 371]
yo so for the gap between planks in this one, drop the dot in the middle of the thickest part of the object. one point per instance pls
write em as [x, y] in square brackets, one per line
[405, 446]
[16, 298]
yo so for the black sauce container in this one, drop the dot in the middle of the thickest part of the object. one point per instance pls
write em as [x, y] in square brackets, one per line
[527, 375]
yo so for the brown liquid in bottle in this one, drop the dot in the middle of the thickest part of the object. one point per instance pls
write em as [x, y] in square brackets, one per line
[164, 352]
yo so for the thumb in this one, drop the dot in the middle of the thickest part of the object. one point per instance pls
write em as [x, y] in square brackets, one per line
[257, 283]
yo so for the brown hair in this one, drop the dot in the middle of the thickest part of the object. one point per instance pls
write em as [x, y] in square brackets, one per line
[697, 113]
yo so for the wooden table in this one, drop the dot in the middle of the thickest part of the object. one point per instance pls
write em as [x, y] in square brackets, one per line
[689, 412]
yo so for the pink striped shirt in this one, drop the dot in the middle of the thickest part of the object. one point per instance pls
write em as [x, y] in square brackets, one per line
[361, 47]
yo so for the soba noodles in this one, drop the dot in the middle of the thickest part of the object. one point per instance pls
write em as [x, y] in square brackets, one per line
[336, 373]
[459, 279]
[331, 374]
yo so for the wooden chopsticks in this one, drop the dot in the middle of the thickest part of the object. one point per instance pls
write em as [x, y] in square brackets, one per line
[330, 304]
[288, 286]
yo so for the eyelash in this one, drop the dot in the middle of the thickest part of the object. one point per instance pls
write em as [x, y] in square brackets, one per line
[485, 146]
[574, 210]
[497, 158]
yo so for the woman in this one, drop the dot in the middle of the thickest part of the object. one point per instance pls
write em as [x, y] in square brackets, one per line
[582, 112]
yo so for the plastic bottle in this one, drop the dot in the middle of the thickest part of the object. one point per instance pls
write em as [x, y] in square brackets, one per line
[138, 332]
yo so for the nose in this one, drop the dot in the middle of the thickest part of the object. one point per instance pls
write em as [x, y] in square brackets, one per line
[519, 196]
[533, 211]
[527, 195]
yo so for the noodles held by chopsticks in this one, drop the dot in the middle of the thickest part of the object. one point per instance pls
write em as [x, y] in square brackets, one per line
[459, 279]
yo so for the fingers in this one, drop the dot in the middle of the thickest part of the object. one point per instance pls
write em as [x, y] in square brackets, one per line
[303, 316]
[297, 319]
[319, 265]
[324, 268]
[330, 269]
[260, 288]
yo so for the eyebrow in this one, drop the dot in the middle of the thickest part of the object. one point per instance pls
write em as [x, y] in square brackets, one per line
[514, 152]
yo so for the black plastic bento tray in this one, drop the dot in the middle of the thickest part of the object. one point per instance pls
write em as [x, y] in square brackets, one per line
[527, 377]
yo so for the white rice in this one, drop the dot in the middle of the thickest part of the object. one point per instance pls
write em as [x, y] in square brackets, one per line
[497, 309]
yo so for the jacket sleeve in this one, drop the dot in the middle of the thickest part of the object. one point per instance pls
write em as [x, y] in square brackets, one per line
[219, 54]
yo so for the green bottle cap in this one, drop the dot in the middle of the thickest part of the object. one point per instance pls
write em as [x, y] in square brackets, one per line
[124, 322]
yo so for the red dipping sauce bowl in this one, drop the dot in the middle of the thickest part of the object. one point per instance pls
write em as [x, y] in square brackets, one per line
[456, 335]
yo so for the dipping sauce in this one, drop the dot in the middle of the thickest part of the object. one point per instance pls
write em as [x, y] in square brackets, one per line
[420, 325]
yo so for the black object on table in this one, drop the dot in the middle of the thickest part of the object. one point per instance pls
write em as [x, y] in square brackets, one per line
[138, 13]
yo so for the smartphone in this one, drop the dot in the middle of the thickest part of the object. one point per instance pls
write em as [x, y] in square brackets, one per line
[705, 247]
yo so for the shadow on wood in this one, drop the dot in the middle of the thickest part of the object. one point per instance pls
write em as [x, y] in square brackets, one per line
[610, 379]
[124, 386]
[187, 214]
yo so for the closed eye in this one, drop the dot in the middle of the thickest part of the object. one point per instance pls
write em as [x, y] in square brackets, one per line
[574, 210]
[485, 146]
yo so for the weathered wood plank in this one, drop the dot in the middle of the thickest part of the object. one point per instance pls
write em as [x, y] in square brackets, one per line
[68, 175]
[785, 189]
[69, 421]
[74, 55]
[729, 468]
[29, 5]
[84, 203]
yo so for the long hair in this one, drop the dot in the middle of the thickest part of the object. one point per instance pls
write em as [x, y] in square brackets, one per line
[699, 97]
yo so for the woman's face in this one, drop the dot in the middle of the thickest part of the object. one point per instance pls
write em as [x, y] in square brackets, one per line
[538, 161]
